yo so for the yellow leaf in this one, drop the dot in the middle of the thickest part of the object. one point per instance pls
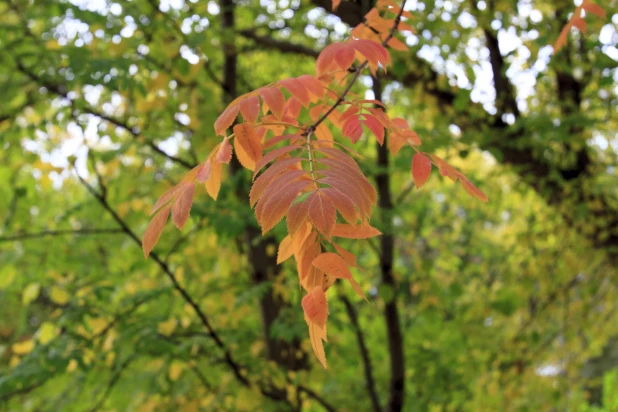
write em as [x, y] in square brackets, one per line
[31, 292]
[23, 348]
[7, 276]
[168, 327]
[47, 332]
[59, 296]
[175, 370]
[72, 366]
[14, 361]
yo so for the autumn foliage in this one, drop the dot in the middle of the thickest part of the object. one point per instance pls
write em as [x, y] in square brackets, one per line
[287, 133]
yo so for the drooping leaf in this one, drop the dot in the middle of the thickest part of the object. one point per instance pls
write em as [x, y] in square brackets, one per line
[248, 139]
[226, 119]
[355, 232]
[224, 154]
[421, 169]
[182, 206]
[154, 230]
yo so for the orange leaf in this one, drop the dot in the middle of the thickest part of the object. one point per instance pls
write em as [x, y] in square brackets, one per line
[421, 169]
[274, 99]
[224, 154]
[154, 229]
[334, 265]
[292, 108]
[313, 85]
[272, 155]
[297, 215]
[226, 119]
[268, 183]
[316, 335]
[203, 173]
[213, 184]
[286, 250]
[397, 44]
[250, 108]
[343, 203]
[355, 232]
[373, 51]
[182, 206]
[166, 197]
[353, 129]
[248, 139]
[275, 207]
[471, 189]
[315, 306]
[243, 157]
[590, 7]
[322, 213]
[347, 256]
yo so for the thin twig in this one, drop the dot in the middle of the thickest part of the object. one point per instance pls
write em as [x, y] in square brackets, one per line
[369, 380]
[45, 233]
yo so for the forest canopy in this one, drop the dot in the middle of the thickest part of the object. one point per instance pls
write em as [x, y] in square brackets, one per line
[436, 183]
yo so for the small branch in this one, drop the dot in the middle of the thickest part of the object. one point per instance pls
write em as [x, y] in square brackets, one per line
[112, 383]
[310, 393]
[357, 73]
[45, 233]
[282, 46]
[370, 382]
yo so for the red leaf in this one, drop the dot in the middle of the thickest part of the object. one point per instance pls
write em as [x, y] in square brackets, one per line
[274, 99]
[376, 127]
[226, 119]
[590, 7]
[250, 108]
[374, 52]
[297, 215]
[353, 129]
[292, 108]
[224, 154]
[248, 139]
[421, 169]
[343, 203]
[275, 207]
[182, 206]
[322, 213]
[313, 85]
[355, 232]
[265, 186]
[154, 229]
[471, 189]
[273, 154]
[296, 89]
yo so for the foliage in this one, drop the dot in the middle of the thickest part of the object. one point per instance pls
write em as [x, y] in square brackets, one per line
[499, 305]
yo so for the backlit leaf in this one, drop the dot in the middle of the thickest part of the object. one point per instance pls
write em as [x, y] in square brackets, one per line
[154, 229]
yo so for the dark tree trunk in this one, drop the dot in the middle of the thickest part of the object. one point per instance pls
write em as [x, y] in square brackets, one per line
[263, 264]
[387, 244]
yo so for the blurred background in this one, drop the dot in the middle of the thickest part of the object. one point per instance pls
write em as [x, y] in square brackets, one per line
[506, 305]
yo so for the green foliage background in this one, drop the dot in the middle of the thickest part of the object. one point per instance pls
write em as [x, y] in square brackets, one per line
[509, 305]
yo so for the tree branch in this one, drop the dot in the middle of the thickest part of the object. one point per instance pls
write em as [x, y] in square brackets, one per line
[367, 367]
[280, 45]
[46, 233]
